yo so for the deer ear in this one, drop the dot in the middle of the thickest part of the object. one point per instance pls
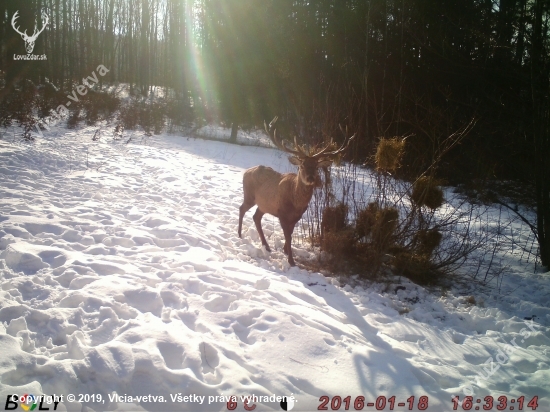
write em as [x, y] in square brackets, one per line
[324, 163]
[295, 160]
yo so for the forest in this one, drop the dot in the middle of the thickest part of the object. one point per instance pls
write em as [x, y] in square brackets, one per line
[476, 71]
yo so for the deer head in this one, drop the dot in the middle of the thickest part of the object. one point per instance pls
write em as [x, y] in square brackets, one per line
[29, 40]
[308, 164]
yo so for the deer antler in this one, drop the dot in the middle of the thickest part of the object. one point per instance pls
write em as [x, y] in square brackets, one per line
[273, 136]
[13, 19]
[44, 17]
[322, 151]
[29, 40]
[298, 151]
[336, 152]
[35, 33]
[297, 146]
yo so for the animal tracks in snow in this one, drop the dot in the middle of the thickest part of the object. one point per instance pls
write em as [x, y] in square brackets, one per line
[130, 277]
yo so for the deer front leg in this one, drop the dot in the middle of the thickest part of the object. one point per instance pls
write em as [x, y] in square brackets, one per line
[288, 228]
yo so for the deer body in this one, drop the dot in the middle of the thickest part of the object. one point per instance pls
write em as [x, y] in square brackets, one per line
[285, 196]
[274, 192]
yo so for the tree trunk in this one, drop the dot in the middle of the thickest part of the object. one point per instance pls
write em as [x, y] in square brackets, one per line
[540, 86]
[234, 130]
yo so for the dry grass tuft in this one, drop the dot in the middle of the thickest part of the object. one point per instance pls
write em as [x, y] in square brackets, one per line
[336, 238]
[334, 218]
[376, 221]
[366, 219]
[377, 224]
[416, 267]
[386, 223]
[426, 192]
[389, 154]
[427, 241]
[341, 243]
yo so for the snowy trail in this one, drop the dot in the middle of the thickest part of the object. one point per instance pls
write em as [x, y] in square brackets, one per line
[131, 279]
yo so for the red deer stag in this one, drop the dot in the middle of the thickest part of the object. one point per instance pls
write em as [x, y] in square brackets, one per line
[287, 195]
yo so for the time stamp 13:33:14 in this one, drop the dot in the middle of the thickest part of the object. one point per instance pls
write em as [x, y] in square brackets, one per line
[502, 403]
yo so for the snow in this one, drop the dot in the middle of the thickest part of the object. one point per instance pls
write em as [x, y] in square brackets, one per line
[122, 276]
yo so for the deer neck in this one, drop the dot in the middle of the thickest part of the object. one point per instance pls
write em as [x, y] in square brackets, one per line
[302, 194]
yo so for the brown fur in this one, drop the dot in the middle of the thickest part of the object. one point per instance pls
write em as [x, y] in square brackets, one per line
[285, 196]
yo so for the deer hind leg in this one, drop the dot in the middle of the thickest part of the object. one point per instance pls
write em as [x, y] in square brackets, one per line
[242, 210]
[258, 220]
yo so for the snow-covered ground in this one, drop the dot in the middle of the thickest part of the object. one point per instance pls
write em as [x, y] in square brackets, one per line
[122, 276]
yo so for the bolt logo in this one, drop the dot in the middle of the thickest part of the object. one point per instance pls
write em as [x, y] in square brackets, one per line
[29, 40]
[29, 402]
